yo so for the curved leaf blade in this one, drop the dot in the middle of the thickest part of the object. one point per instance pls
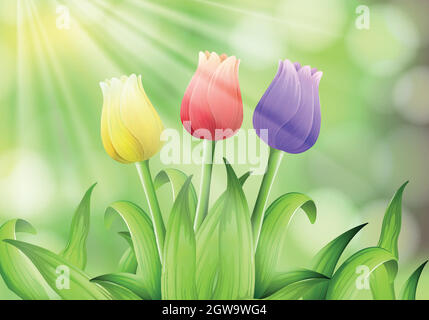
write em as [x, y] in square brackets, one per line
[381, 288]
[178, 275]
[47, 262]
[208, 247]
[355, 272]
[410, 287]
[327, 259]
[75, 250]
[129, 281]
[177, 179]
[282, 280]
[297, 289]
[128, 262]
[144, 243]
[392, 223]
[118, 292]
[236, 275]
[19, 274]
[208, 251]
[277, 219]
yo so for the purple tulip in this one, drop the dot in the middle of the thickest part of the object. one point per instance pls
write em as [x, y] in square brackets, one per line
[289, 110]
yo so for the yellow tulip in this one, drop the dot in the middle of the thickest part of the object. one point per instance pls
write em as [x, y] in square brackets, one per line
[130, 126]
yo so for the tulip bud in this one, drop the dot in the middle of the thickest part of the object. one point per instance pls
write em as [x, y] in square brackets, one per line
[290, 109]
[130, 126]
[212, 108]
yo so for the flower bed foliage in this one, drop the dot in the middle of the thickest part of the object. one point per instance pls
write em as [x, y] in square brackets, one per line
[224, 252]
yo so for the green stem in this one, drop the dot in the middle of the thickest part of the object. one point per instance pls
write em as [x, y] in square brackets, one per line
[155, 212]
[274, 161]
[206, 177]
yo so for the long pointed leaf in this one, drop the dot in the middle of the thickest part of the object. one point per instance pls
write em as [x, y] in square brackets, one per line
[354, 274]
[177, 179]
[75, 250]
[282, 280]
[128, 262]
[381, 288]
[48, 263]
[118, 292]
[236, 277]
[392, 223]
[298, 289]
[208, 247]
[126, 280]
[178, 274]
[327, 258]
[144, 243]
[19, 274]
[277, 219]
[410, 287]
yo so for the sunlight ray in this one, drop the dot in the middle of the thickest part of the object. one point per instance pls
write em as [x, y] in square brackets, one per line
[261, 16]
[115, 43]
[26, 133]
[72, 116]
[43, 70]
[180, 19]
[135, 25]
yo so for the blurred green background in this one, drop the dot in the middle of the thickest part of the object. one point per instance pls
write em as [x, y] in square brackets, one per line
[374, 97]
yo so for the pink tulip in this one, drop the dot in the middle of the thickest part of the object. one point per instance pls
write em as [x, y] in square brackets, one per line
[212, 108]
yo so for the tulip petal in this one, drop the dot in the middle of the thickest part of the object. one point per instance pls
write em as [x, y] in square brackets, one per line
[125, 144]
[184, 109]
[224, 98]
[317, 119]
[200, 116]
[281, 101]
[292, 135]
[140, 117]
[258, 117]
[105, 137]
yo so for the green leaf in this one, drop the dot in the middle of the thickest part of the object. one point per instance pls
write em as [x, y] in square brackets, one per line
[236, 276]
[118, 292]
[354, 274]
[208, 251]
[75, 250]
[327, 258]
[244, 178]
[129, 281]
[19, 274]
[69, 282]
[410, 287]
[178, 274]
[282, 280]
[144, 243]
[177, 179]
[271, 242]
[208, 247]
[381, 288]
[128, 262]
[294, 285]
[392, 223]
